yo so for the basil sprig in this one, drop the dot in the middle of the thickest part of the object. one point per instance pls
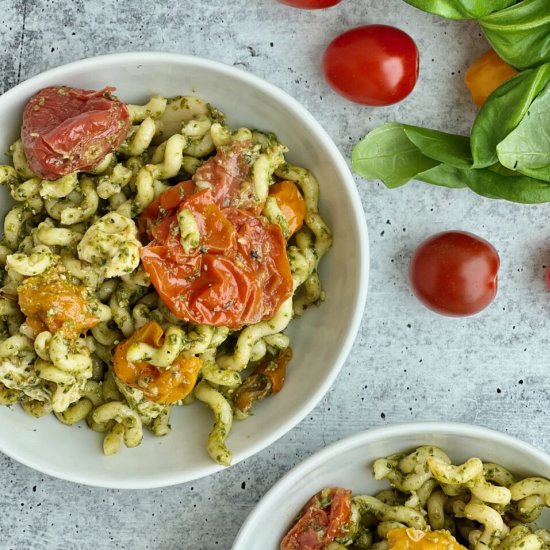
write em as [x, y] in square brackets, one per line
[504, 110]
[507, 156]
[519, 33]
[460, 9]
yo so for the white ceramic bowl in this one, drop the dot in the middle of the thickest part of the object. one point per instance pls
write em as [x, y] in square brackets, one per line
[321, 340]
[347, 464]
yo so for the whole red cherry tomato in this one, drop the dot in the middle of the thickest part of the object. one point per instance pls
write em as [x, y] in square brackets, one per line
[455, 273]
[67, 129]
[310, 4]
[373, 65]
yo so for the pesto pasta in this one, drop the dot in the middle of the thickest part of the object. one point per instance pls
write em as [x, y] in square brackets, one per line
[431, 504]
[164, 273]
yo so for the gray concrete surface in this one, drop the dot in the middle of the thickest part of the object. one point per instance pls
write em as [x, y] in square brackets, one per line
[407, 363]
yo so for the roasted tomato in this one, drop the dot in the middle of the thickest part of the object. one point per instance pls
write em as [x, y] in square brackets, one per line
[267, 378]
[53, 303]
[162, 385]
[407, 538]
[486, 74]
[238, 275]
[67, 129]
[291, 203]
[325, 517]
[455, 273]
[164, 206]
[373, 65]
[226, 174]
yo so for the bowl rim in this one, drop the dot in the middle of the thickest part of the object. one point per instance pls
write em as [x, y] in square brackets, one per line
[362, 256]
[366, 437]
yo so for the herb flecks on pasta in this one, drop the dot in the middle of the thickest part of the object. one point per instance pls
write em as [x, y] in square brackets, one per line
[154, 265]
[432, 505]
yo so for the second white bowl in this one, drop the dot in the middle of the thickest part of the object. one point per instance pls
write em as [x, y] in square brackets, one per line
[348, 464]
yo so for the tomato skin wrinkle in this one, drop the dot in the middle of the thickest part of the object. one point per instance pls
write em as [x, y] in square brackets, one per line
[239, 275]
[226, 173]
[67, 129]
[455, 273]
[375, 65]
[164, 206]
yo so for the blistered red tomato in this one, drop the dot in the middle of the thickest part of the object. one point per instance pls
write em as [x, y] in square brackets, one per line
[324, 518]
[310, 4]
[373, 65]
[239, 274]
[227, 176]
[66, 129]
[455, 273]
[164, 206]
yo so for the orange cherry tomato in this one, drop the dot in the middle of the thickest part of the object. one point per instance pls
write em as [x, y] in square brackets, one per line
[162, 385]
[486, 74]
[407, 538]
[290, 202]
[325, 517]
[53, 303]
[66, 129]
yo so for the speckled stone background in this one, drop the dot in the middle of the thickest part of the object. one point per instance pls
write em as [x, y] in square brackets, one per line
[407, 363]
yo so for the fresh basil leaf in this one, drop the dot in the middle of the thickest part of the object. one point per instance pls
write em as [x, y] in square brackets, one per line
[527, 148]
[503, 171]
[503, 111]
[520, 34]
[387, 154]
[489, 183]
[448, 148]
[460, 9]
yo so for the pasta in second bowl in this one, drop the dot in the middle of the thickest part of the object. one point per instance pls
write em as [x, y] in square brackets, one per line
[106, 239]
[409, 460]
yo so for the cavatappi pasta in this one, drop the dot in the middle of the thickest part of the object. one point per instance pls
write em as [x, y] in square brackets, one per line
[431, 505]
[77, 238]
